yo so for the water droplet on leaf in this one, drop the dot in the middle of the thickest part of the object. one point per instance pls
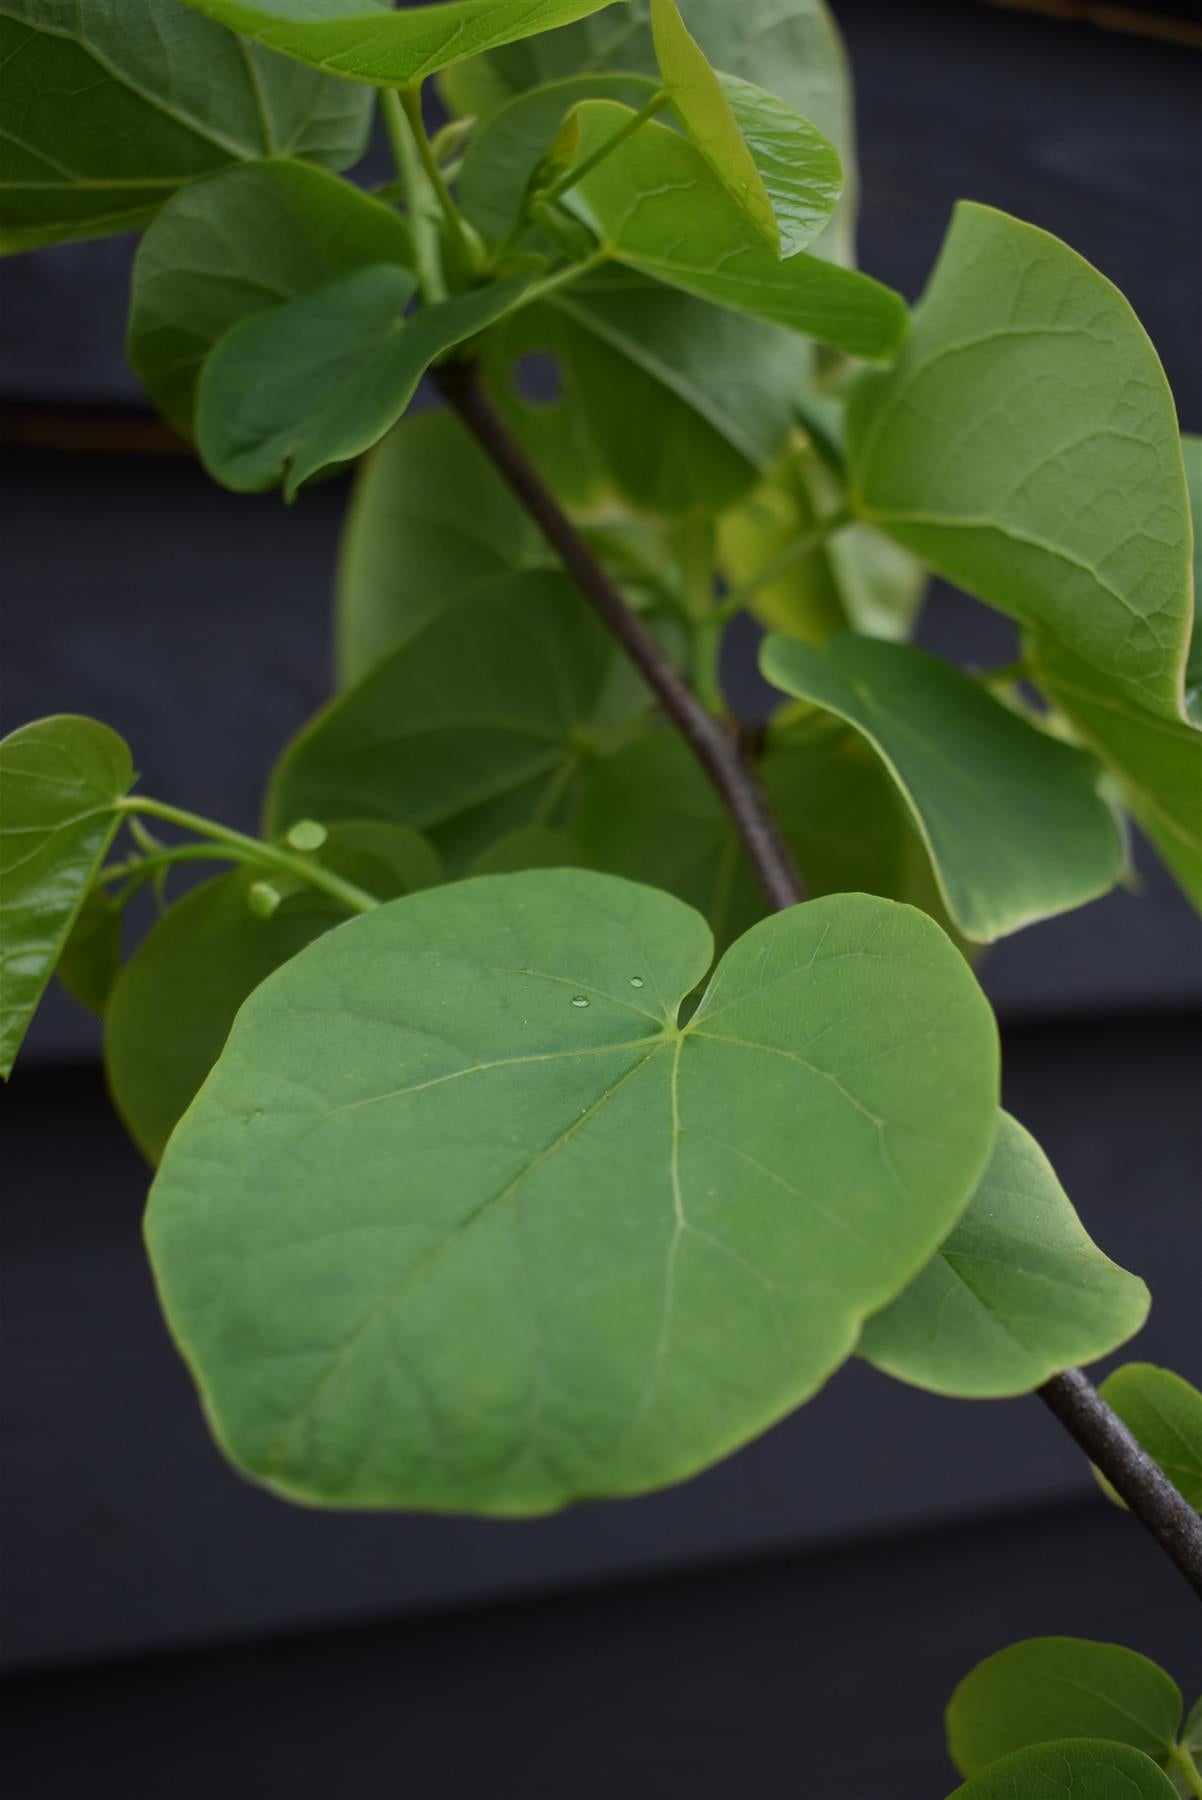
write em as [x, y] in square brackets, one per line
[637, 981]
[579, 1000]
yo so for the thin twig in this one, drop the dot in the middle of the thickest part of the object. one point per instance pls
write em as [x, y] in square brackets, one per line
[1071, 1397]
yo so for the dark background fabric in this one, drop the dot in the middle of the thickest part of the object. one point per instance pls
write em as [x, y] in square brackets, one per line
[791, 1623]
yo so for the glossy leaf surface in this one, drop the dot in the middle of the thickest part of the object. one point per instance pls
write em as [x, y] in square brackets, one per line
[368, 40]
[1012, 818]
[1061, 1687]
[1165, 1414]
[1018, 1291]
[172, 1007]
[319, 380]
[1025, 445]
[112, 105]
[1157, 762]
[477, 725]
[430, 521]
[584, 1251]
[655, 204]
[60, 781]
[235, 244]
[1072, 1769]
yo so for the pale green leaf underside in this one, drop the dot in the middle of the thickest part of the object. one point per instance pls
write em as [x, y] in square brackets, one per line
[1018, 1291]
[584, 1251]
[1157, 762]
[1165, 1413]
[478, 724]
[1025, 445]
[60, 781]
[315, 382]
[238, 243]
[1071, 1769]
[1059, 1687]
[367, 40]
[1012, 819]
[430, 521]
[112, 105]
[656, 204]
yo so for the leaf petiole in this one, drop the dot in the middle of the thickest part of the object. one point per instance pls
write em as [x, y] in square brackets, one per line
[416, 190]
[805, 546]
[410, 100]
[1184, 1770]
[570, 177]
[240, 848]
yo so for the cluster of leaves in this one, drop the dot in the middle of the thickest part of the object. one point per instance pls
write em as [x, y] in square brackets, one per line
[483, 1186]
[1040, 1716]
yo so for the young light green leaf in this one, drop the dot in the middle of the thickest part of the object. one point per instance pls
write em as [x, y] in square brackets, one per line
[1060, 1687]
[655, 203]
[1165, 1414]
[366, 40]
[90, 961]
[585, 1251]
[1025, 445]
[61, 780]
[174, 1002]
[1018, 1291]
[1157, 762]
[1060, 1771]
[298, 388]
[430, 521]
[1191, 455]
[478, 724]
[235, 244]
[112, 106]
[1011, 816]
[855, 580]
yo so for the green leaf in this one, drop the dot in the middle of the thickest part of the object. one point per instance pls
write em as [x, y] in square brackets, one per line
[113, 105]
[477, 725]
[61, 780]
[585, 1251]
[174, 1002]
[1011, 816]
[90, 961]
[233, 245]
[430, 522]
[1165, 1414]
[1156, 762]
[1191, 456]
[1066, 1769]
[855, 580]
[655, 204]
[533, 847]
[1018, 1291]
[365, 40]
[1025, 445]
[1060, 1687]
[317, 381]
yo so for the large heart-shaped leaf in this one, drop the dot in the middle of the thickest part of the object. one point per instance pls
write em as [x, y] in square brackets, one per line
[1165, 1413]
[656, 204]
[1061, 1687]
[174, 1002]
[1060, 1771]
[367, 40]
[1157, 762]
[61, 781]
[113, 105]
[237, 243]
[477, 725]
[1018, 1291]
[1026, 446]
[1011, 816]
[430, 521]
[464, 1219]
[315, 382]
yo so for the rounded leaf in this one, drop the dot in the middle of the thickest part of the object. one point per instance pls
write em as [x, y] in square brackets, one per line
[1072, 1769]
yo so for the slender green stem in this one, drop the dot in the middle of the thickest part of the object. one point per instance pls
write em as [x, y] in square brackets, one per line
[255, 851]
[146, 865]
[696, 550]
[411, 104]
[1183, 1765]
[417, 195]
[737, 601]
[577, 173]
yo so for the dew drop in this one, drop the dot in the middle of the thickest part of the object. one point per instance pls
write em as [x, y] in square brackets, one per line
[579, 1000]
[637, 981]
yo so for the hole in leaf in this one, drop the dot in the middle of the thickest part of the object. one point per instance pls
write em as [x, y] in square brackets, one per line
[536, 379]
